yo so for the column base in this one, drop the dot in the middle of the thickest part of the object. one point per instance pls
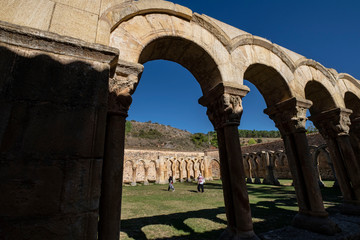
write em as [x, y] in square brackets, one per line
[351, 208]
[271, 182]
[230, 235]
[249, 180]
[321, 225]
[133, 184]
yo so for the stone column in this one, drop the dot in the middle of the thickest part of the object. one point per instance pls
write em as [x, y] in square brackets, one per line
[224, 110]
[269, 177]
[254, 168]
[334, 127]
[181, 169]
[133, 179]
[146, 181]
[246, 158]
[290, 119]
[208, 170]
[315, 156]
[355, 136]
[121, 87]
[162, 170]
[188, 171]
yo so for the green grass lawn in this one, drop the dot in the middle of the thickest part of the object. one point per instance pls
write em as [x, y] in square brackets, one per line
[151, 212]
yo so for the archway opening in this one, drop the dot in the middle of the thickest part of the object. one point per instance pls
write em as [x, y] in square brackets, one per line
[320, 97]
[186, 53]
[352, 102]
[269, 82]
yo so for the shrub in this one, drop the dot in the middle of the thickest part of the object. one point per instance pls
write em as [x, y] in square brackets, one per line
[251, 141]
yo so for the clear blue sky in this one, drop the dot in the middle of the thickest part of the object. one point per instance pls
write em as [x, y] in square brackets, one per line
[327, 31]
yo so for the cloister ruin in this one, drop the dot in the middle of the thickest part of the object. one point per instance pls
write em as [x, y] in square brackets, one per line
[262, 167]
[66, 89]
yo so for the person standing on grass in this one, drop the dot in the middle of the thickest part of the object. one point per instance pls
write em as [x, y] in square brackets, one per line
[201, 181]
[171, 186]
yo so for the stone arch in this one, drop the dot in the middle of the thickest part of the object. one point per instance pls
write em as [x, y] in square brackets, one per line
[152, 171]
[215, 168]
[177, 164]
[352, 102]
[321, 98]
[140, 170]
[269, 82]
[128, 166]
[170, 37]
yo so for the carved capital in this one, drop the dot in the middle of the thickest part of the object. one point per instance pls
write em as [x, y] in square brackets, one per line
[122, 86]
[224, 104]
[290, 115]
[333, 123]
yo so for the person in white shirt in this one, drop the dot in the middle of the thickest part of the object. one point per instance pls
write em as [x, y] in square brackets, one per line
[201, 181]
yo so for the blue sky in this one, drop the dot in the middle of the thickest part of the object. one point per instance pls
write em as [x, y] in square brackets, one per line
[327, 31]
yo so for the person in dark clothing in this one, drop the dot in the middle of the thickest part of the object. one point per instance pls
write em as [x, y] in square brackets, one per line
[171, 186]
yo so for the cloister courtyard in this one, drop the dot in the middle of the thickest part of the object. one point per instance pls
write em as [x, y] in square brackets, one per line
[151, 212]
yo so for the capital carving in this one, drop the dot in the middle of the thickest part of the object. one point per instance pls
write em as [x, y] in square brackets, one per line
[290, 115]
[224, 104]
[333, 123]
[122, 86]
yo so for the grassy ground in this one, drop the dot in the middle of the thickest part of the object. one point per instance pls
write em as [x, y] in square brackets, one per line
[151, 212]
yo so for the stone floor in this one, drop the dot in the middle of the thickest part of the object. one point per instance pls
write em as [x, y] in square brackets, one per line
[350, 226]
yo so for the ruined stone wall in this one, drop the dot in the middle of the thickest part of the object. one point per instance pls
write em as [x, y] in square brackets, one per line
[142, 166]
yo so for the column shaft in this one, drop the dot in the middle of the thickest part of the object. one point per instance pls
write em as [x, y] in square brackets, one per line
[237, 177]
[112, 177]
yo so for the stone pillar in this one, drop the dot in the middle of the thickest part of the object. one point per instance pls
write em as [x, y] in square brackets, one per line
[181, 169]
[161, 171]
[269, 177]
[246, 159]
[173, 170]
[133, 177]
[208, 169]
[315, 157]
[224, 110]
[202, 167]
[53, 106]
[121, 87]
[334, 127]
[146, 181]
[188, 170]
[290, 119]
[355, 136]
[255, 168]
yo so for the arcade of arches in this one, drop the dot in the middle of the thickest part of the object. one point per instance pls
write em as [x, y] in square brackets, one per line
[66, 89]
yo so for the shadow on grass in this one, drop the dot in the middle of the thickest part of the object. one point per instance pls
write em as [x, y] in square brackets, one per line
[267, 215]
[132, 227]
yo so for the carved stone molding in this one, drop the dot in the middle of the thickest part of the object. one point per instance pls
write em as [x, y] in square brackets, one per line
[224, 104]
[122, 86]
[290, 115]
[333, 123]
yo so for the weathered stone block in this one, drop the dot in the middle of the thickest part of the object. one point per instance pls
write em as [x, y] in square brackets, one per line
[92, 6]
[42, 78]
[35, 14]
[33, 187]
[66, 227]
[69, 21]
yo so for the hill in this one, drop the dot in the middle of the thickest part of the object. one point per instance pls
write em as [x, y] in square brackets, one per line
[148, 135]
